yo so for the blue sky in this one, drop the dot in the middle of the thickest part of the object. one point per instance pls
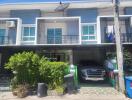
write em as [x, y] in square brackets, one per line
[20, 1]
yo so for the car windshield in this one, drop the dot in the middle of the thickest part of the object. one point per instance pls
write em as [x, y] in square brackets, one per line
[92, 64]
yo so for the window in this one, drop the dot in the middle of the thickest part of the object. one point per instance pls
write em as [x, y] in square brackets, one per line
[89, 32]
[54, 35]
[28, 33]
[2, 32]
[2, 35]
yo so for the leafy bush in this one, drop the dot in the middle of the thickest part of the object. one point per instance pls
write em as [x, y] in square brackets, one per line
[30, 69]
[52, 72]
[25, 67]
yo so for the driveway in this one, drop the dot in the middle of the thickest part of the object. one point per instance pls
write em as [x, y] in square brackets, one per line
[78, 96]
[9, 96]
[86, 92]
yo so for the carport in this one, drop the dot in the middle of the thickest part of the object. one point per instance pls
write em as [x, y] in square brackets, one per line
[95, 53]
[76, 54]
[98, 54]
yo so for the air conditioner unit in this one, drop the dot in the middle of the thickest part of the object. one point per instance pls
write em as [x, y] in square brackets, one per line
[10, 23]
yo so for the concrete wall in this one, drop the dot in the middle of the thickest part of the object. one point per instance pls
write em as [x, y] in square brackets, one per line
[12, 35]
[27, 16]
[87, 15]
[5, 14]
[109, 11]
[72, 27]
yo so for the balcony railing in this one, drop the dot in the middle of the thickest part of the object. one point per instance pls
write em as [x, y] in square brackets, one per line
[125, 38]
[4, 40]
[64, 39]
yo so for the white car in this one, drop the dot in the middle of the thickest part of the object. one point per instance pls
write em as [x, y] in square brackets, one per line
[91, 71]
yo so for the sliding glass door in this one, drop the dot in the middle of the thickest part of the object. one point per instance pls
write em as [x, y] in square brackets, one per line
[54, 35]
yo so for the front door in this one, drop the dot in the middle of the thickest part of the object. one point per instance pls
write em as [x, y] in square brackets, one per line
[54, 35]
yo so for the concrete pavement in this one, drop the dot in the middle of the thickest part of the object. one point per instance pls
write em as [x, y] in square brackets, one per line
[9, 96]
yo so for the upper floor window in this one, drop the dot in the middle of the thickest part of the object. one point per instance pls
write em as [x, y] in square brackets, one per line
[28, 33]
[89, 32]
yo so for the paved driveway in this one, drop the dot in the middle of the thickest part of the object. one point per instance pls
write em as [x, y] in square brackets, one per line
[86, 92]
[9, 96]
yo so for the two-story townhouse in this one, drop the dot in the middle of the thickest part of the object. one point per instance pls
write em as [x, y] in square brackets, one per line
[69, 31]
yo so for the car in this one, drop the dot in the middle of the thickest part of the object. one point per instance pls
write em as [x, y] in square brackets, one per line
[89, 70]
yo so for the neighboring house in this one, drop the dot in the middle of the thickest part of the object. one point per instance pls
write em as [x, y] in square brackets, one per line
[79, 32]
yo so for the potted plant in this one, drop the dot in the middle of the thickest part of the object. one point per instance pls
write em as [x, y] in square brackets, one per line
[22, 91]
[60, 90]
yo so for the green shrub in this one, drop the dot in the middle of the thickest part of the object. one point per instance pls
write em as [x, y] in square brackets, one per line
[52, 72]
[26, 67]
[29, 69]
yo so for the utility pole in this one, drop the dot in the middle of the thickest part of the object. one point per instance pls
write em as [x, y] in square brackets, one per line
[119, 48]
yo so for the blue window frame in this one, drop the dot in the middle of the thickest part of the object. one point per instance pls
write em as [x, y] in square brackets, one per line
[28, 34]
[54, 35]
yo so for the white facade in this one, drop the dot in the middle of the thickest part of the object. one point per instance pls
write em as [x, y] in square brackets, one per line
[72, 26]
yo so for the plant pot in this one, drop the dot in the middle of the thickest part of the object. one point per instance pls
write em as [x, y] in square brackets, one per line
[22, 94]
[60, 93]
[54, 93]
[14, 92]
[22, 91]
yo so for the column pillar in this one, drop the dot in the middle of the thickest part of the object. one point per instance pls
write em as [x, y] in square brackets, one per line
[19, 32]
[70, 52]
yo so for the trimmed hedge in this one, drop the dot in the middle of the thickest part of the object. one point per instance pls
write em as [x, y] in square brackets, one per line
[52, 73]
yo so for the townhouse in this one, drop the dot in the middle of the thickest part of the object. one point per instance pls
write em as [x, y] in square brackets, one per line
[69, 31]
